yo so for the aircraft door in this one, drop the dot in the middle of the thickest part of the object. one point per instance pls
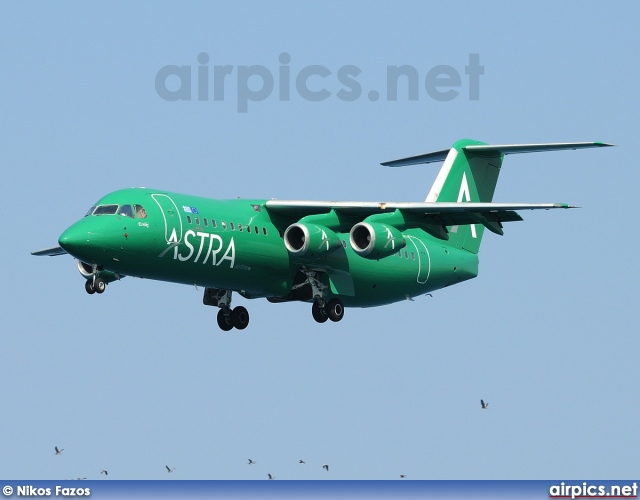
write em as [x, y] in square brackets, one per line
[172, 221]
[424, 260]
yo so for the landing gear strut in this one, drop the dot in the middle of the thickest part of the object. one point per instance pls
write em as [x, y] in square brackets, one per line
[228, 318]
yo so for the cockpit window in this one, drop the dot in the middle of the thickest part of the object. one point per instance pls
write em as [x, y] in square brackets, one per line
[106, 210]
[141, 213]
[90, 211]
[126, 210]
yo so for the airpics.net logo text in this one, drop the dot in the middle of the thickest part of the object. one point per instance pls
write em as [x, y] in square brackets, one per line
[315, 83]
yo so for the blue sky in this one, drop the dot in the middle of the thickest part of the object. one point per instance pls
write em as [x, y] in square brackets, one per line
[141, 377]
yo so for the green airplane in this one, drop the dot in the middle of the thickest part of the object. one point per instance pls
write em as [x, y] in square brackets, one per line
[330, 254]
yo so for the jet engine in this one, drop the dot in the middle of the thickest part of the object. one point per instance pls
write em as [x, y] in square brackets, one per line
[375, 240]
[87, 272]
[310, 241]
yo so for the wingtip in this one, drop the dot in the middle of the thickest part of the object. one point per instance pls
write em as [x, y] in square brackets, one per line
[564, 205]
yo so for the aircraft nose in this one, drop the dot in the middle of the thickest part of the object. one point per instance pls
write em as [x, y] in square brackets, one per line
[74, 239]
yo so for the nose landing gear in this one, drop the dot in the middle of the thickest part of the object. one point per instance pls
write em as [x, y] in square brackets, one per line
[95, 285]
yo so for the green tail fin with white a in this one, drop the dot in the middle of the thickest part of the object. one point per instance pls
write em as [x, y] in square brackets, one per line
[465, 177]
[470, 174]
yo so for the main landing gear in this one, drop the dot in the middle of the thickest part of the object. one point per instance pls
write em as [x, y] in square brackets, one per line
[322, 310]
[333, 310]
[228, 318]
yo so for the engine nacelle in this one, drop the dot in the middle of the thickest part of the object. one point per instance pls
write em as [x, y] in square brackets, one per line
[310, 241]
[87, 271]
[375, 240]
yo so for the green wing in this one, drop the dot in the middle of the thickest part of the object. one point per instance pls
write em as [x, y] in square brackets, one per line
[432, 217]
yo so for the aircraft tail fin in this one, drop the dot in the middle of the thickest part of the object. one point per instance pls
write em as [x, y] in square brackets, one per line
[470, 174]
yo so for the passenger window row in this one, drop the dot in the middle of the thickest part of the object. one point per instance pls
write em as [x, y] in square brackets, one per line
[223, 225]
[406, 255]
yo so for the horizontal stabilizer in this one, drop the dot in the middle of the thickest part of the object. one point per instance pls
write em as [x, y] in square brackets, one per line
[51, 252]
[508, 149]
[495, 149]
[416, 160]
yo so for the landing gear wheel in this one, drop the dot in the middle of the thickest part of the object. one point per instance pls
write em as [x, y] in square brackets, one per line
[88, 286]
[224, 321]
[318, 313]
[240, 317]
[334, 309]
[99, 285]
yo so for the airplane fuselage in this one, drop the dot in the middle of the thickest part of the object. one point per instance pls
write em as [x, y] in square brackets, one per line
[329, 253]
[238, 245]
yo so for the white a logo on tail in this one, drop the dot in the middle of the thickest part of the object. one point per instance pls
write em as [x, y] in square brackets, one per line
[464, 195]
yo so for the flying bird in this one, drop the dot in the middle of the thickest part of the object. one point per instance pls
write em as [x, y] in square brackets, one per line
[168, 469]
[484, 405]
[270, 476]
[325, 467]
[402, 476]
[301, 462]
[58, 452]
[104, 472]
[251, 462]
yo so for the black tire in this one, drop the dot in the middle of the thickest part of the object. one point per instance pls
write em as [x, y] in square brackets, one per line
[335, 310]
[88, 286]
[318, 313]
[99, 285]
[224, 321]
[240, 317]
